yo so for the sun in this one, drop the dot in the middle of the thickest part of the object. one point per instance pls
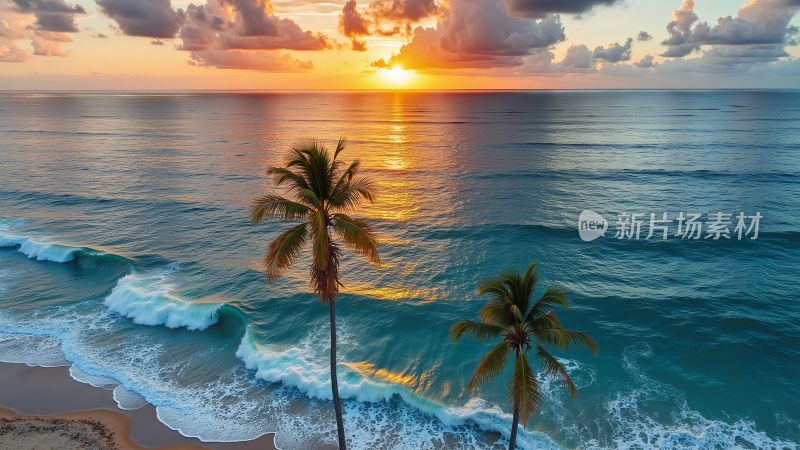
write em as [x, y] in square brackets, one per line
[397, 75]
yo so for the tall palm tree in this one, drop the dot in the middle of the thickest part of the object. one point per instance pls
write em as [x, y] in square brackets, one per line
[523, 325]
[322, 190]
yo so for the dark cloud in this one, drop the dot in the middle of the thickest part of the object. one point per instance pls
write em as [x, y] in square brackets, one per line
[614, 52]
[351, 22]
[729, 56]
[645, 62]
[758, 23]
[221, 25]
[51, 15]
[643, 36]
[146, 18]
[578, 59]
[402, 10]
[540, 8]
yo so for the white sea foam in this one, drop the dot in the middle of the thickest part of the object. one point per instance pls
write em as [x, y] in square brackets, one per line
[39, 250]
[233, 408]
[93, 380]
[634, 428]
[43, 351]
[300, 367]
[128, 400]
[149, 300]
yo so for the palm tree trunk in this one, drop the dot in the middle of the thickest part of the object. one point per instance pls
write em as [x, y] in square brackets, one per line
[337, 402]
[512, 442]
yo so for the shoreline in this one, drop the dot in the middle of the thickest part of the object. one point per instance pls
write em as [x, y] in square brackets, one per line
[49, 395]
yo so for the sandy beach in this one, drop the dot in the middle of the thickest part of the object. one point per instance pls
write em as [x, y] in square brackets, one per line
[43, 408]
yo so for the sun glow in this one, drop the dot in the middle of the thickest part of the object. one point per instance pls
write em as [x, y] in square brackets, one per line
[397, 75]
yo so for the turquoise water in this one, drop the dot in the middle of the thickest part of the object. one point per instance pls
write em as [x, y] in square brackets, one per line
[127, 255]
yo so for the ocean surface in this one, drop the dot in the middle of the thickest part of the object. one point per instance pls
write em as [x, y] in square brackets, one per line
[127, 255]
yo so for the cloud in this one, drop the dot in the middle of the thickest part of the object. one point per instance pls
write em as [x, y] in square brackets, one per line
[244, 25]
[45, 22]
[145, 18]
[10, 53]
[643, 36]
[272, 61]
[614, 52]
[540, 8]
[383, 18]
[680, 30]
[645, 62]
[758, 23]
[477, 34]
[51, 15]
[578, 59]
[402, 10]
[48, 43]
[351, 22]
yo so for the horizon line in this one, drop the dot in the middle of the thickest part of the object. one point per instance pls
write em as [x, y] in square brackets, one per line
[277, 91]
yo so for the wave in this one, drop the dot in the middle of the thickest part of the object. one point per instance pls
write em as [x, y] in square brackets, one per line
[41, 251]
[149, 300]
[299, 366]
[372, 405]
[45, 249]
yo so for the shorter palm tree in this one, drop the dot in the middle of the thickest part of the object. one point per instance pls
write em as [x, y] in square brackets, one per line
[523, 326]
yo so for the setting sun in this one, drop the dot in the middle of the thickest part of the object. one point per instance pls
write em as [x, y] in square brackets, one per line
[397, 75]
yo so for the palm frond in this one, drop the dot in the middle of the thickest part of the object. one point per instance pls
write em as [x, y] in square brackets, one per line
[495, 287]
[357, 235]
[350, 194]
[283, 175]
[551, 298]
[284, 249]
[563, 339]
[528, 284]
[313, 161]
[339, 147]
[553, 368]
[524, 392]
[498, 312]
[478, 330]
[277, 207]
[547, 320]
[345, 177]
[491, 365]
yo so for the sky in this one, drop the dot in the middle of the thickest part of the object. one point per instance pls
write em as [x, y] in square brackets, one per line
[398, 44]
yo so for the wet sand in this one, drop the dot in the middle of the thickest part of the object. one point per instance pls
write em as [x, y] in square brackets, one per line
[44, 405]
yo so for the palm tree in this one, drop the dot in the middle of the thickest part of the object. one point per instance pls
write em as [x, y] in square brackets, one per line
[322, 191]
[523, 325]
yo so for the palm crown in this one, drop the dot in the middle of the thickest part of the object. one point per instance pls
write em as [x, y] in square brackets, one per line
[322, 191]
[523, 325]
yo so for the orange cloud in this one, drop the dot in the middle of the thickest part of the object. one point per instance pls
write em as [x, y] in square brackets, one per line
[262, 61]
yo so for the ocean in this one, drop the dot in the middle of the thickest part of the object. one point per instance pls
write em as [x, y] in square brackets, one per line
[128, 256]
